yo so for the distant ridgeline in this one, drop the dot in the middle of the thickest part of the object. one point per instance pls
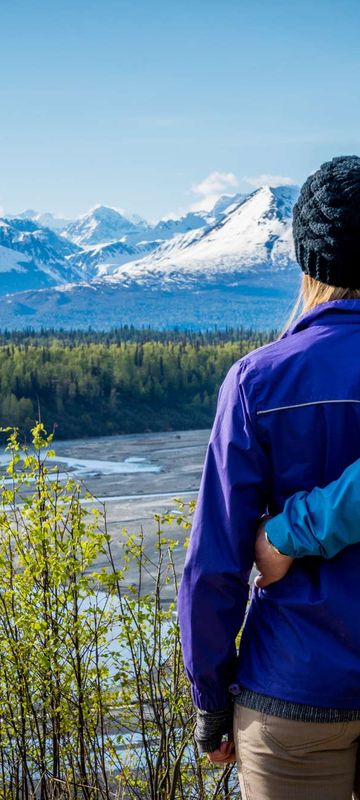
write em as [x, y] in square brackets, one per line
[128, 380]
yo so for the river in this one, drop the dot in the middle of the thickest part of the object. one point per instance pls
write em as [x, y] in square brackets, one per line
[136, 476]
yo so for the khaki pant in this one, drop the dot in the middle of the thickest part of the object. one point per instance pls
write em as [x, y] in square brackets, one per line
[279, 759]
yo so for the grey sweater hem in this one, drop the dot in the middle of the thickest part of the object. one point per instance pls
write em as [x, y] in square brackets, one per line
[295, 711]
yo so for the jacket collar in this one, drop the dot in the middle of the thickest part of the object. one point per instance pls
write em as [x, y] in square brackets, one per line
[333, 312]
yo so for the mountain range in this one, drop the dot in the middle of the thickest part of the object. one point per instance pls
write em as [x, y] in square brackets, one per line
[234, 264]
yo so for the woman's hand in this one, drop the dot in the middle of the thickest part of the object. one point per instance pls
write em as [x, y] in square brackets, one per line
[272, 565]
[225, 754]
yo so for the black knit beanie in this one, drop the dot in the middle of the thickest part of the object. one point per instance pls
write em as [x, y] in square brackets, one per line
[326, 223]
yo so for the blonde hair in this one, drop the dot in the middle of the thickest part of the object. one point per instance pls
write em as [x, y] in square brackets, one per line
[313, 292]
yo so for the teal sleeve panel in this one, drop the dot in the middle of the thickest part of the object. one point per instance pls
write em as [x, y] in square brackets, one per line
[321, 522]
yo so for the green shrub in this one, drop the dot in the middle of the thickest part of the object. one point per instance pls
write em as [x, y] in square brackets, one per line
[94, 702]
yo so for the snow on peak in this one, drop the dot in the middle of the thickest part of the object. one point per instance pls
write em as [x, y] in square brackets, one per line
[100, 225]
[32, 256]
[254, 233]
[103, 225]
[102, 212]
[47, 220]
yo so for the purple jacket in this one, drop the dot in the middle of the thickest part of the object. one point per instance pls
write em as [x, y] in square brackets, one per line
[288, 419]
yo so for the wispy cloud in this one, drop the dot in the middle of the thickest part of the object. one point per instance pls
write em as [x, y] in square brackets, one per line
[269, 180]
[211, 188]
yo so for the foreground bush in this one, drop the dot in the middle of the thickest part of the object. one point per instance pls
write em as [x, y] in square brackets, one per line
[94, 702]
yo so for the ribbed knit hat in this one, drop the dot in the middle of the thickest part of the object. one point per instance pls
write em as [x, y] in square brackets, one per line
[326, 223]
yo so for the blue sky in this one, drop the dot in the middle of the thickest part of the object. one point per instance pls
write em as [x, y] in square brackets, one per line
[135, 103]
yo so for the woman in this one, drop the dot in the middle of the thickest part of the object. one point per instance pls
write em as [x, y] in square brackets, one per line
[288, 419]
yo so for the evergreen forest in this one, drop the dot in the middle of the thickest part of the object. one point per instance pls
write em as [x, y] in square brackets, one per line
[86, 383]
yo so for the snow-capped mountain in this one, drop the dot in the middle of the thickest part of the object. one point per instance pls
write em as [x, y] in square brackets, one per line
[238, 268]
[103, 224]
[45, 220]
[255, 233]
[32, 257]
